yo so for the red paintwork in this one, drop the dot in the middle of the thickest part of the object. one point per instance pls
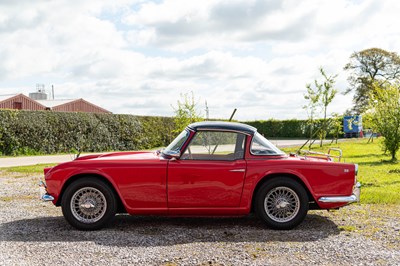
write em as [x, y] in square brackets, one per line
[199, 184]
[147, 183]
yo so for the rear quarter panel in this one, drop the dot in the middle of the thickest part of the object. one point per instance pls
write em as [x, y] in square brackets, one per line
[321, 178]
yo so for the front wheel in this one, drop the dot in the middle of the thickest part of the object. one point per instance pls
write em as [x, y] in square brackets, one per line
[281, 203]
[88, 204]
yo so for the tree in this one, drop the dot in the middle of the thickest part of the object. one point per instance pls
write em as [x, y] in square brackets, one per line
[322, 94]
[367, 67]
[368, 125]
[313, 97]
[385, 108]
[336, 126]
[185, 112]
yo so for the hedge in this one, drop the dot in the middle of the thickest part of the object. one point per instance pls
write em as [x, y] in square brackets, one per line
[281, 128]
[287, 128]
[45, 132]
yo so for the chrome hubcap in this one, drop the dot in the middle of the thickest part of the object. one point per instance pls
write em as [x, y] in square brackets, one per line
[88, 205]
[281, 204]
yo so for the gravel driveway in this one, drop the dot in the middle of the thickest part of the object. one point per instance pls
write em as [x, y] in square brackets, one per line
[34, 233]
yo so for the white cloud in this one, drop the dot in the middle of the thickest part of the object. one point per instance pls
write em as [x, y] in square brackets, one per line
[138, 56]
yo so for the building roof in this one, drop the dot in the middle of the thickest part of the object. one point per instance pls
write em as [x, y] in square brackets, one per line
[53, 103]
[56, 104]
[7, 96]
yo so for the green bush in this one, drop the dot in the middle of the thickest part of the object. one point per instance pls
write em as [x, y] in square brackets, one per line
[44, 132]
[287, 128]
[281, 128]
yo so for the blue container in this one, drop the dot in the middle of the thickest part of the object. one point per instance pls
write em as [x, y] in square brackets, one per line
[352, 126]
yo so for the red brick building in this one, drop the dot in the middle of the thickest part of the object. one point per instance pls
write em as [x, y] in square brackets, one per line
[22, 102]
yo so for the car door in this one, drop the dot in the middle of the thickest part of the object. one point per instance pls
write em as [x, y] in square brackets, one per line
[210, 173]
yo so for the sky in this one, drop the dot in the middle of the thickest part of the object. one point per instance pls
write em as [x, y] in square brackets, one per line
[140, 57]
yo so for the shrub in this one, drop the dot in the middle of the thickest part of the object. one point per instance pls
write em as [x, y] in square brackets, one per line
[44, 132]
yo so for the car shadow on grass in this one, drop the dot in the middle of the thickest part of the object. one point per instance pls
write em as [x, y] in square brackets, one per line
[132, 231]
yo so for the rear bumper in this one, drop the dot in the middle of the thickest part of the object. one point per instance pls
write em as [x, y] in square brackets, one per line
[354, 197]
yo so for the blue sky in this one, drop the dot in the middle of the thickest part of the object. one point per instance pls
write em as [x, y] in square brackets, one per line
[138, 57]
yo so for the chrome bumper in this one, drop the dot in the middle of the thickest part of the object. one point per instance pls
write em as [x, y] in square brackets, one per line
[43, 192]
[355, 197]
[47, 197]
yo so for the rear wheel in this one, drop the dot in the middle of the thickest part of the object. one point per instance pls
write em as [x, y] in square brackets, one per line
[88, 204]
[281, 203]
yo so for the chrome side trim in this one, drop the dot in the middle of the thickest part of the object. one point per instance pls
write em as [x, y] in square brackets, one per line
[355, 197]
[47, 197]
[237, 170]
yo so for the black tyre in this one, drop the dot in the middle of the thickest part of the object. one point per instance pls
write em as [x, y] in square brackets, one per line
[281, 203]
[88, 204]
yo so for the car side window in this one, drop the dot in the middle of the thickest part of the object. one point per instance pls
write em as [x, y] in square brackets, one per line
[261, 146]
[215, 146]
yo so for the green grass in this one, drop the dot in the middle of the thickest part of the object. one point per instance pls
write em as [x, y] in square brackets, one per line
[29, 169]
[380, 178]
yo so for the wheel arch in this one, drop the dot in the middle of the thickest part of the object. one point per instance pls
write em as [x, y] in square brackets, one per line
[72, 179]
[273, 176]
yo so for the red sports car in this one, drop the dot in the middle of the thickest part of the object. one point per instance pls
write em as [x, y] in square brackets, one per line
[210, 169]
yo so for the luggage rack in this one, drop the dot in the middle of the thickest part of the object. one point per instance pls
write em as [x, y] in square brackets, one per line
[328, 156]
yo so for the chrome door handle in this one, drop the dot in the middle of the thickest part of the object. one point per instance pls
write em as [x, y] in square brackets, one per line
[237, 170]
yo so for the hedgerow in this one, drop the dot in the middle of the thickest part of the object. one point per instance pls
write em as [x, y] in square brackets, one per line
[292, 128]
[44, 132]
[281, 128]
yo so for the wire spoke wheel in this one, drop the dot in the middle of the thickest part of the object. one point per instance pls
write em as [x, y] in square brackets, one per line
[88, 205]
[281, 204]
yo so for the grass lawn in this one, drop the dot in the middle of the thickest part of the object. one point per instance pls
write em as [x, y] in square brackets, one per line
[28, 169]
[379, 177]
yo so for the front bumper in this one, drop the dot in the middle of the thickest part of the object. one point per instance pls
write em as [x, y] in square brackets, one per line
[47, 197]
[44, 196]
[354, 197]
